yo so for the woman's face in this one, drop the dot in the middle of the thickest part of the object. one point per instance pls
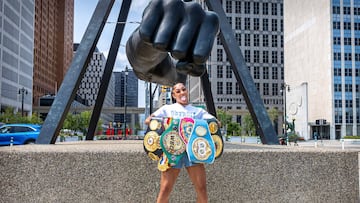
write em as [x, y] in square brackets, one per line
[180, 94]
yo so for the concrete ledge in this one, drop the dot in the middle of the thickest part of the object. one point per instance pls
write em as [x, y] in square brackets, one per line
[119, 171]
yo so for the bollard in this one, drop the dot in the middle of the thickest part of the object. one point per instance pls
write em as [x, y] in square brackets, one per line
[315, 141]
[11, 141]
[342, 144]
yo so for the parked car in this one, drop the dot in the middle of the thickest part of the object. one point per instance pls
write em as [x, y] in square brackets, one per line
[18, 134]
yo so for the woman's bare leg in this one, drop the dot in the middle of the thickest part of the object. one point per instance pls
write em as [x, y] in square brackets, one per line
[167, 181]
[197, 175]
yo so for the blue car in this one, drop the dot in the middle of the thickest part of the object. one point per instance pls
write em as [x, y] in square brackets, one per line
[18, 134]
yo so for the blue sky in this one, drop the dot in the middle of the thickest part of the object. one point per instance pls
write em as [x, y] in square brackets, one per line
[83, 10]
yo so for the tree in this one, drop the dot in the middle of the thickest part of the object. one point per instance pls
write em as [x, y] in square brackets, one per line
[84, 121]
[99, 127]
[233, 128]
[223, 117]
[80, 122]
[35, 118]
[248, 125]
[10, 117]
[71, 122]
[273, 114]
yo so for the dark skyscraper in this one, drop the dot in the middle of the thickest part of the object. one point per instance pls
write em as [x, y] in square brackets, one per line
[126, 86]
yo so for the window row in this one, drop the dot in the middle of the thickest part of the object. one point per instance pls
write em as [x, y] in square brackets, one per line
[257, 8]
[349, 117]
[347, 72]
[256, 40]
[257, 73]
[256, 24]
[347, 41]
[265, 57]
[347, 25]
[347, 88]
[347, 56]
[257, 56]
[346, 10]
[230, 88]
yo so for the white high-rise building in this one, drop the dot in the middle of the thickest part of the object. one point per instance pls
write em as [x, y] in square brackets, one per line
[322, 66]
[258, 28]
[16, 54]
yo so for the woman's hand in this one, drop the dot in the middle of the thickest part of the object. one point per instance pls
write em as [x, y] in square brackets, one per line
[148, 119]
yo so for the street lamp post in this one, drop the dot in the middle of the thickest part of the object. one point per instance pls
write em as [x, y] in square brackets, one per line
[23, 92]
[125, 95]
[284, 88]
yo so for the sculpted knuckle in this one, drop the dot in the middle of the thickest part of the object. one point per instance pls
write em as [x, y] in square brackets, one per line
[195, 8]
[174, 4]
[212, 16]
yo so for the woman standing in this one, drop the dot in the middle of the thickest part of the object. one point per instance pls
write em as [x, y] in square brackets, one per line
[196, 171]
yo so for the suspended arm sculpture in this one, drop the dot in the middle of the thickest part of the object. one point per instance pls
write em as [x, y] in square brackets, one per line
[174, 39]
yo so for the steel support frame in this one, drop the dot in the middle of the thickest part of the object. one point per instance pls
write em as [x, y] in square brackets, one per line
[119, 29]
[251, 95]
[75, 73]
[69, 86]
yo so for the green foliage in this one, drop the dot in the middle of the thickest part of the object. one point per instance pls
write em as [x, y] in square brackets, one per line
[233, 129]
[273, 114]
[293, 137]
[352, 137]
[223, 117]
[99, 125]
[80, 122]
[35, 118]
[71, 122]
[10, 117]
[248, 125]
[84, 121]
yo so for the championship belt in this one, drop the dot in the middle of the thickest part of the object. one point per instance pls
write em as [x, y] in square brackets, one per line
[152, 139]
[185, 128]
[166, 121]
[163, 163]
[171, 143]
[216, 136]
[201, 147]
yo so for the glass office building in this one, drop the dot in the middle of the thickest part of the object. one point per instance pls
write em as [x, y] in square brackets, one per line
[16, 54]
[346, 66]
[322, 62]
[126, 94]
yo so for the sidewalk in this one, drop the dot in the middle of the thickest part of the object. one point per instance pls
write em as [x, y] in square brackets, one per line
[236, 142]
[340, 144]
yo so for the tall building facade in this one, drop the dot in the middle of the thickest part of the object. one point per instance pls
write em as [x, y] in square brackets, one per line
[322, 65]
[16, 54]
[126, 94]
[53, 48]
[90, 84]
[258, 29]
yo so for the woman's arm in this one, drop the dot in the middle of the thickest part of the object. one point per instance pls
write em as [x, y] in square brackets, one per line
[148, 119]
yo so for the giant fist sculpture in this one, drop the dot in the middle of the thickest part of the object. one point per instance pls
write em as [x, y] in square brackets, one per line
[174, 39]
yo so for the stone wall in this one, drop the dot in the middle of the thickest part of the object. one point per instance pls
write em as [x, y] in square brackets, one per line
[120, 172]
